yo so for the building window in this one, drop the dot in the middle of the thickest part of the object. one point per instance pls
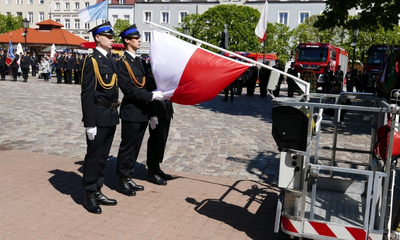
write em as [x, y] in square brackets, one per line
[86, 38]
[126, 17]
[87, 25]
[164, 17]
[8, 1]
[41, 1]
[303, 16]
[30, 1]
[8, 13]
[57, 7]
[121, 1]
[41, 16]
[147, 36]
[165, 0]
[30, 17]
[283, 18]
[67, 24]
[77, 24]
[182, 15]
[86, 4]
[147, 16]
[67, 6]
[58, 20]
[76, 6]
[114, 19]
[18, 1]
[19, 14]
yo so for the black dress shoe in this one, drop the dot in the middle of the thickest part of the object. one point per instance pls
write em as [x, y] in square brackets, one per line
[91, 205]
[156, 179]
[124, 188]
[163, 175]
[103, 200]
[133, 185]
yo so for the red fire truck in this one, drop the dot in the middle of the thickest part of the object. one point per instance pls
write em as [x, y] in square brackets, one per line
[271, 57]
[317, 56]
[375, 59]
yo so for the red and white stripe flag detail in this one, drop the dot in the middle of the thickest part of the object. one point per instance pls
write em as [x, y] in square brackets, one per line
[261, 28]
[188, 74]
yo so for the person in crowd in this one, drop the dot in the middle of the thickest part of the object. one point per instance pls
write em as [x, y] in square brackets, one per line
[3, 58]
[349, 81]
[45, 67]
[15, 65]
[25, 63]
[359, 85]
[78, 68]
[99, 97]
[51, 63]
[230, 89]
[34, 64]
[278, 86]
[263, 78]
[251, 80]
[134, 109]
[161, 113]
[59, 64]
[69, 65]
[291, 83]
[339, 76]
[328, 79]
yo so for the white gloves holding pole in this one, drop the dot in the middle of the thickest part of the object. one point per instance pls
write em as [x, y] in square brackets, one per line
[153, 122]
[157, 95]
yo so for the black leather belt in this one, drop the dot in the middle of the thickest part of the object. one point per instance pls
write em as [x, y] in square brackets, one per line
[106, 104]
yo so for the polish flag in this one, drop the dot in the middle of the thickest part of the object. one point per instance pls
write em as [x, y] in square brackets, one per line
[188, 74]
[261, 29]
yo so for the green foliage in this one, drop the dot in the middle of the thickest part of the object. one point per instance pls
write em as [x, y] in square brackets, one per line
[373, 14]
[241, 22]
[9, 23]
[118, 27]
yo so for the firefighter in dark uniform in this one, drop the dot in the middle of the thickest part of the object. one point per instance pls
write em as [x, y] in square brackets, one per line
[14, 65]
[78, 68]
[99, 99]
[68, 67]
[59, 63]
[292, 86]
[25, 63]
[134, 110]
[34, 63]
[161, 113]
[3, 57]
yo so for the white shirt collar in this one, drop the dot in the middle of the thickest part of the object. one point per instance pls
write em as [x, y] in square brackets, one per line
[134, 56]
[102, 51]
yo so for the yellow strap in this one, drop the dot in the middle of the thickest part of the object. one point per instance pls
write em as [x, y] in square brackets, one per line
[106, 86]
[133, 78]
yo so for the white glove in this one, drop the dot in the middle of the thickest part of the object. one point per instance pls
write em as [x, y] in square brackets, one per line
[91, 132]
[153, 122]
[157, 95]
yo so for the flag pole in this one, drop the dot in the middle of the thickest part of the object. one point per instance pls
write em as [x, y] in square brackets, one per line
[299, 81]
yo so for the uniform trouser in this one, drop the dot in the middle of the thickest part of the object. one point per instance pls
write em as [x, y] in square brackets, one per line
[59, 75]
[96, 158]
[3, 72]
[263, 87]
[77, 77]
[33, 71]
[251, 86]
[156, 144]
[14, 72]
[230, 89]
[132, 134]
[68, 76]
[291, 87]
[25, 73]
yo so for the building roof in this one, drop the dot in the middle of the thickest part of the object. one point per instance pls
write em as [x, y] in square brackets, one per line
[49, 32]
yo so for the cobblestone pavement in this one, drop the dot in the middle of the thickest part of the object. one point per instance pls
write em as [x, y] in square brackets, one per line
[222, 155]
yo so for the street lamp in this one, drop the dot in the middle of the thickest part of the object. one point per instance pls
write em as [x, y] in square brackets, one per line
[185, 30]
[353, 73]
[25, 24]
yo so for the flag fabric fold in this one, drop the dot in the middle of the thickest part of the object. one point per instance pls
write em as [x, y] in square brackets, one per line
[261, 28]
[188, 74]
[10, 54]
[91, 13]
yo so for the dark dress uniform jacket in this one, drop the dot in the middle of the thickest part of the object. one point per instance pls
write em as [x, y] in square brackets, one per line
[25, 61]
[3, 57]
[14, 63]
[59, 62]
[94, 114]
[134, 107]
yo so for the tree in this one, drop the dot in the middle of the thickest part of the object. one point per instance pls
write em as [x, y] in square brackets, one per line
[9, 23]
[119, 26]
[241, 22]
[374, 14]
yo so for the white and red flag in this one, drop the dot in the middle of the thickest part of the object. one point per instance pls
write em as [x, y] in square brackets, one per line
[10, 54]
[188, 74]
[261, 29]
